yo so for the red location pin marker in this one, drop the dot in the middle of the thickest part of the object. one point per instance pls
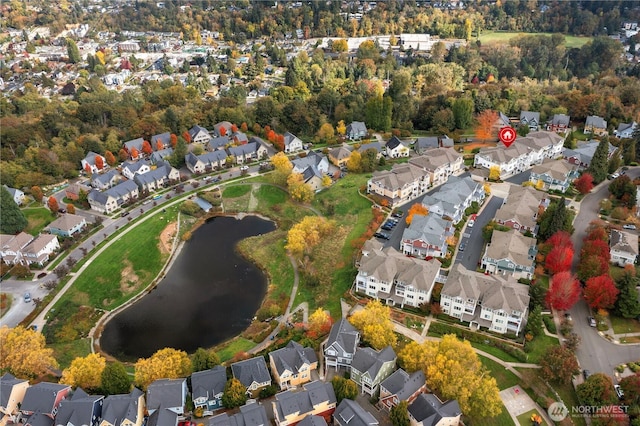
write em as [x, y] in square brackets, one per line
[507, 136]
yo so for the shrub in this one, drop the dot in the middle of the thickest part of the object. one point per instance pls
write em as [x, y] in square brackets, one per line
[549, 323]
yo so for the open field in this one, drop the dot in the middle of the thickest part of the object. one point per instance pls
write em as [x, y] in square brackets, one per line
[624, 325]
[503, 419]
[38, 218]
[228, 350]
[505, 378]
[493, 37]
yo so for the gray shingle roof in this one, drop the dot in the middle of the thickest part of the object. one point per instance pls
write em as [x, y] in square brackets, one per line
[134, 143]
[249, 415]
[371, 361]
[41, 397]
[356, 127]
[530, 116]
[78, 410]
[371, 145]
[301, 402]
[165, 393]
[208, 383]
[512, 245]
[117, 408]
[165, 138]
[160, 173]
[251, 370]
[104, 178]
[246, 149]
[624, 241]
[403, 385]
[345, 335]
[430, 228]
[429, 410]
[312, 421]
[123, 188]
[351, 413]
[394, 142]
[219, 142]
[595, 121]
[7, 382]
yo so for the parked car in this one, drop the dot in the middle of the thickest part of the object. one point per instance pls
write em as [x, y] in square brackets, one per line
[462, 246]
[386, 227]
[27, 297]
[629, 226]
[567, 316]
[62, 210]
[619, 391]
[244, 168]
[381, 235]
[398, 213]
[390, 223]
[471, 223]
[123, 214]
[592, 321]
[586, 374]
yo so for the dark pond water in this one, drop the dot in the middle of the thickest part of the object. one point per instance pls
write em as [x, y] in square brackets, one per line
[209, 295]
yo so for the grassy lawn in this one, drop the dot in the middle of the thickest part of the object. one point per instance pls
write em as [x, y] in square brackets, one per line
[236, 191]
[491, 37]
[623, 325]
[503, 419]
[38, 218]
[525, 418]
[67, 352]
[228, 350]
[5, 303]
[505, 378]
[499, 353]
[539, 345]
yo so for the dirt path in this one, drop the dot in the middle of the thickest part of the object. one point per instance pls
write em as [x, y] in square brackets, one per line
[166, 237]
[253, 200]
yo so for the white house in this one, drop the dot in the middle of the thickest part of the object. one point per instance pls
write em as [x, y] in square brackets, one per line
[199, 135]
[40, 250]
[426, 236]
[16, 194]
[395, 148]
[292, 143]
[625, 130]
[402, 183]
[89, 162]
[623, 247]
[132, 168]
[439, 163]
[453, 198]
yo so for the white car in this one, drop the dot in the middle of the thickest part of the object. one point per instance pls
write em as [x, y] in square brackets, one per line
[471, 223]
[629, 226]
[243, 168]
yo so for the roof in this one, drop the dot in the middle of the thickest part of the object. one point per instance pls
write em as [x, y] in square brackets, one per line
[351, 413]
[427, 142]
[356, 127]
[521, 206]
[398, 177]
[78, 410]
[160, 173]
[403, 385]
[558, 170]
[433, 158]
[394, 142]
[134, 143]
[289, 138]
[104, 178]
[624, 241]
[241, 150]
[165, 138]
[134, 166]
[560, 120]
[372, 145]
[429, 410]
[292, 357]
[123, 188]
[38, 419]
[431, 229]
[208, 383]
[344, 335]
[452, 194]
[99, 197]
[162, 417]
[301, 402]
[41, 397]
[117, 408]
[312, 421]
[513, 246]
[39, 243]
[7, 382]
[166, 393]
[340, 153]
[529, 116]
[15, 242]
[161, 154]
[251, 370]
[197, 129]
[219, 142]
[91, 158]
[368, 360]
[595, 121]
[584, 152]
[249, 415]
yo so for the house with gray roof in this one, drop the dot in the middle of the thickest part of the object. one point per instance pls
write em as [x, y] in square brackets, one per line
[163, 174]
[350, 413]
[623, 247]
[293, 365]
[124, 192]
[12, 246]
[316, 161]
[67, 225]
[161, 141]
[428, 410]
[340, 155]
[218, 128]
[12, 391]
[253, 414]
[241, 138]
[316, 399]
[520, 209]
[356, 130]
[370, 367]
[401, 386]
[292, 143]
[207, 388]
[502, 120]
[102, 202]
[44, 398]
[80, 409]
[206, 162]
[218, 143]
[105, 180]
[134, 145]
[452, 198]
[313, 421]
[625, 130]
[376, 146]
[161, 155]
[439, 163]
[583, 154]
[424, 143]
[556, 175]
[39, 250]
[16, 195]
[510, 253]
[402, 183]
[494, 302]
[426, 236]
[132, 168]
[559, 123]
[531, 119]
[596, 125]
[253, 374]
[199, 134]
[341, 344]
[124, 409]
[252, 151]
[162, 417]
[89, 162]
[167, 394]
[395, 148]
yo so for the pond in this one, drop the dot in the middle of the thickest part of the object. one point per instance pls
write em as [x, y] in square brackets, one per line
[209, 295]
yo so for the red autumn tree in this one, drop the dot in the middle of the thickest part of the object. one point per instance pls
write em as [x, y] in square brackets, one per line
[559, 239]
[234, 128]
[134, 153]
[243, 127]
[584, 184]
[601, 292]
[99, 162]
[186, 136]
[159, 145]
[595, 248]
[174, 140]
[52, 203]
[596, 231]
[87, 168]
[123, 154]
[146, 148]
[111, 159]
[592, 266]
[564, 291]
[271, 136]
[223, 131]
[71, 208]
[279, 142]
[486, 124]
[559, 259]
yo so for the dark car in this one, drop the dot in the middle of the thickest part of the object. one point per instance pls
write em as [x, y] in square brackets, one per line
[387, 227]
[381, 235]
[123, 214]
[62, 210]
[397, 213]
[391, 222]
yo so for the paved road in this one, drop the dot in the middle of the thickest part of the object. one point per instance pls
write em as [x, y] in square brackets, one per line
[595, 353]
[472, 254]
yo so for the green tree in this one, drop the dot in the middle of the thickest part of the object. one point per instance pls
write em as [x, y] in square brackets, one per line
[378, 112]
[115, 379]
[534, 323]
[627, 305]
[12, 220]
[399, 414]
[597, 391]
[177, 158]
[555, 218]
[204, 359]
[463, 112]
[73, 52]
[234, 395]
[344, 388]
[599, 163]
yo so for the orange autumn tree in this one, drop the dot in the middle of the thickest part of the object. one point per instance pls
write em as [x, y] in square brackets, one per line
[111, 159]
[174, 140]
[417, 208]
[159, 145]
[134, 153]
[485, 129]
[223, 131]
[186, 136]
[99, 162]
[146, 147]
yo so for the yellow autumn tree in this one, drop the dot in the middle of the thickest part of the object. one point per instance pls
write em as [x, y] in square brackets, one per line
[85, 372]
[341, 128]
[326, 181]
[374, 322]
[325, 133]
[319, 323]
[306, 234]
[282, 166]
[454, 369]
[354, 163]
[23, 352]
[412, 357]
[487, 189]
[494, 173]
[540, 185]
[167, 363]
[299, 190]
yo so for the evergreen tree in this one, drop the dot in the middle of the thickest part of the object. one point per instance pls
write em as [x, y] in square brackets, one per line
[399, 414]
[629, 155]
[12, 219]
[627, 304]
[73, 52]
[599, 163]
[555, 218]
[177, 158]
[570, 141]
[115, 379]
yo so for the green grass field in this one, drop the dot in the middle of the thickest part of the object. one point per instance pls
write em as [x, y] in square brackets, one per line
[67, 352]
[624, 325]
[525, 418]
[228, 350]
[505, 378]
[38, 218]
[493, 37]
[236, 191]
[503, 419]
[539, 345]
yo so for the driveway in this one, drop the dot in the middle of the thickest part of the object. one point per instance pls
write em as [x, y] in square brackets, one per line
[19, 308]
[472, 254]
[520, 178]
